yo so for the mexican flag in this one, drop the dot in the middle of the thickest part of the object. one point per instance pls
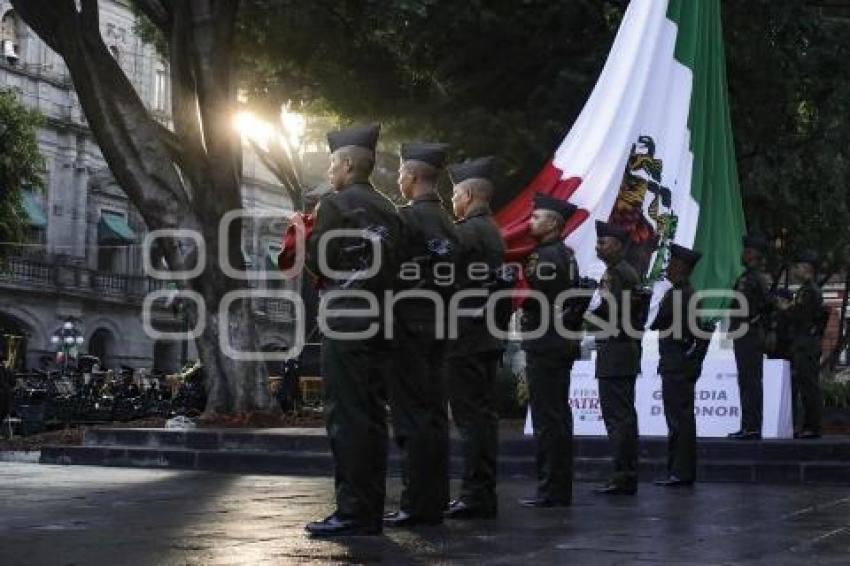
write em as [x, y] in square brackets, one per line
[652, 149]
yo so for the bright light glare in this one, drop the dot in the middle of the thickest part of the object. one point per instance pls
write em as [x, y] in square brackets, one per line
[252, 128]
[294, 125]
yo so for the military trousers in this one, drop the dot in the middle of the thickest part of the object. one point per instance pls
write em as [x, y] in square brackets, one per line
[355, 416]
[420, 420]
[749, 354]
[805, 385]
[677, 390]
[471, 387]
[549, 390]
[617, 400]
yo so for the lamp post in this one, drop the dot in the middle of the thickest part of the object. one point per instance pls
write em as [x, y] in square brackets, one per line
[67, 338]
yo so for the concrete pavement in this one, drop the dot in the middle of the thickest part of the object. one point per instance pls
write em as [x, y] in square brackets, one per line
[88, 515]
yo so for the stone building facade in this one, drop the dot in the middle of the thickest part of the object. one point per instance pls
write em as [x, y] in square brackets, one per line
[83, 257]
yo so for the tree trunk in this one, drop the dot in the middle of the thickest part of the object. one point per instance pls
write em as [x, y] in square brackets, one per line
[185, 179]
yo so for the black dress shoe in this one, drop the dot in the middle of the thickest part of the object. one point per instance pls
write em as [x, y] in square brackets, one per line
[404, 519]
[744, 435]
[614, 489]
[459, 509]
[673, 481]
[540, 502]
[807, 434]
[334, 526]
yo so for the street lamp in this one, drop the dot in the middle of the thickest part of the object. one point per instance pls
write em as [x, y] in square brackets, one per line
[67, 338]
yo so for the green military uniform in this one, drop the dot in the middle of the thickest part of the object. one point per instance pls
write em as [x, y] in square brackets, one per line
[749, 348]
[617, 366]
[679, 374]
[550, 269]
[416, 387]
[354, 388]
[548, 363]
[472, 359]
[803, 319]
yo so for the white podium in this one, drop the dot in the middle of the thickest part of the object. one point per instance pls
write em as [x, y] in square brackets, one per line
[717, 402]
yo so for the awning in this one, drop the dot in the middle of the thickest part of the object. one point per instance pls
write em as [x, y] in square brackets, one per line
[272, 252]
[114, 230]
[35, 215]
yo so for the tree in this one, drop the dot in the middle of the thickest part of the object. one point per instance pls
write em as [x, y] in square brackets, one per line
[790, 89]
[21, 164]
[188, 178]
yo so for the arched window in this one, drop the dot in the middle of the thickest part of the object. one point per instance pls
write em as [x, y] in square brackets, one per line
[9, 37]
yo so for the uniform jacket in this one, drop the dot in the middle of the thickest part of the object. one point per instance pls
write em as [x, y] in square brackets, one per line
[754, 286]
[618, 356]
[803, 317]
[430, 241]
[550, 269]
[358, 206]
[481, 242]
[672, 349]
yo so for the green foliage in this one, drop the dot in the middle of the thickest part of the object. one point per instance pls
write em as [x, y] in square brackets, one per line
[21, 164]
[501, 77]
[790, 89]
[836, 394]
[508, 77]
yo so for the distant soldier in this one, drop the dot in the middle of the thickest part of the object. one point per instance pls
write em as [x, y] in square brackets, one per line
[416, 386]
[618, 361]
[749, 348]
[351, 368]
[550, 269]
[472, 359]
[678, 368]
[805, 319]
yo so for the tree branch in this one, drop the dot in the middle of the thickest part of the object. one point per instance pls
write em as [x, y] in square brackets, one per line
[159, 12]
[47, 18]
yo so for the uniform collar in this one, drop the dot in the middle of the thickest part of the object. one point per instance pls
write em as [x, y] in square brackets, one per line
[482, 210]
[427, 197]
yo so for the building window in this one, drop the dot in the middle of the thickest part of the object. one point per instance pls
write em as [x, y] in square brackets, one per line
[9, 37]
[160, 88]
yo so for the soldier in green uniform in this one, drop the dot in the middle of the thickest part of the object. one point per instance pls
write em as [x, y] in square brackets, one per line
[550, 269]
[416, 387]
[679, 371]
[749, 348]
[471, 359]
[804, 317]
[618, 360]
[354, 389]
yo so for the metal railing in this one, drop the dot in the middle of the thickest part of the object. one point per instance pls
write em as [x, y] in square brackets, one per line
[53, 276]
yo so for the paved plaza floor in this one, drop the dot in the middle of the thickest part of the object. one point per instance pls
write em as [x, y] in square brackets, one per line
[81, 515]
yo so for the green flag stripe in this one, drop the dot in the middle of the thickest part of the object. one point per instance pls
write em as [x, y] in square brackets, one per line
[714, 182]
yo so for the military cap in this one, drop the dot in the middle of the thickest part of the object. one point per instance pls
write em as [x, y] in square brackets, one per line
[755, 242]
[562, 207]
[433, 154]
[808, 256]
[361, 136]
[684, 254]
[605, 229]
[481, 168]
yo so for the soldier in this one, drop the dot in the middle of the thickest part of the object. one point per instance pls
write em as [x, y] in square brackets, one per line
[354, 396]
[550, 269]
[416, 387]
[749, 348]
[472, 359]
[679, 373]
[618, 361]
[804, 317]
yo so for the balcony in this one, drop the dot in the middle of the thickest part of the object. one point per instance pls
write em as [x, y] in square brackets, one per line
[42, 275]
